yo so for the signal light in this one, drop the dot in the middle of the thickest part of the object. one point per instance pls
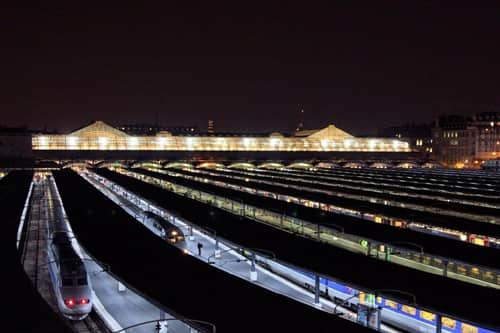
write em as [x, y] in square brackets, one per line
[84, 301]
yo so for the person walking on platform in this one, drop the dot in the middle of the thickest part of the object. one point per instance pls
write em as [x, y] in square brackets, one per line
[199, 248]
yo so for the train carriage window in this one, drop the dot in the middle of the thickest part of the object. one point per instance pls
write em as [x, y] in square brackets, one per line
[461, 270]
[474, 271]
[67, 282]
[409, 309]
[427, 315]
[448, 322]
[362, 297]
[489, 276]
[437, 262]
[391, 304]
[466, 328]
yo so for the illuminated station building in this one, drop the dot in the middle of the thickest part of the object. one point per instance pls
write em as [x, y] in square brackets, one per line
[102, 141]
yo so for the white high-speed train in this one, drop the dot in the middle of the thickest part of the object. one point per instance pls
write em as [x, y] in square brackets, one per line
[69, 277]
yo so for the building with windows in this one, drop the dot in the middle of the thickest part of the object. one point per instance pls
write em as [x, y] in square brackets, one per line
[487, 126]
[460, 141]
[454, 141]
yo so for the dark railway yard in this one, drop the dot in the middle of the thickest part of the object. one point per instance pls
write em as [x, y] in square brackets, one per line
[191, 288]
[357, 269]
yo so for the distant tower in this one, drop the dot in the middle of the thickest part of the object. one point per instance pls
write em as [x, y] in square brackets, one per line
[211, 126]
[301, 120]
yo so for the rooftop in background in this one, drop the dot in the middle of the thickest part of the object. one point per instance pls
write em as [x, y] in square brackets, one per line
[150, 129]
[100, 136]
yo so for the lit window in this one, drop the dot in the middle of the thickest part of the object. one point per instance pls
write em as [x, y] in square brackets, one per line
[391, 304]
[466, 328]
[448, 322]
[409, 309]
[427, 315]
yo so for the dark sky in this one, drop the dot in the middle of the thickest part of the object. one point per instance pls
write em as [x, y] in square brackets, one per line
[248, 67]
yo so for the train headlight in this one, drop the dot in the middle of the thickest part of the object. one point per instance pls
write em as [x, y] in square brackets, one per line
[174, 233]
[84, 301]
[69, 302]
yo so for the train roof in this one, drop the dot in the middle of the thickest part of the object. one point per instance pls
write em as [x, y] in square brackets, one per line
[269, 310]
[439, 246]
[451, 222]
[23, 300]
[357, 270]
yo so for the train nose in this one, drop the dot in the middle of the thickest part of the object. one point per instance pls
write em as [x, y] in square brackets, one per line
[72, 302]
[77, 302]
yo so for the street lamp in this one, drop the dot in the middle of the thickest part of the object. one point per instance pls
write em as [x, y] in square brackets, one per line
[158, 325]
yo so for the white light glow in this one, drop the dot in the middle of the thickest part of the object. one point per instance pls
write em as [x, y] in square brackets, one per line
[395, 144]
[275, 142]
[372, 144]
[133, 141]
[247, 142]
[162, 141]
[72, 141]
[103, 141]
[43, 140]
[324, 143]
[347, 143]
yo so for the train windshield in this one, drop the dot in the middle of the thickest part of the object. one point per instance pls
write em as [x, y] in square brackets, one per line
[82, 281]
[67, 282]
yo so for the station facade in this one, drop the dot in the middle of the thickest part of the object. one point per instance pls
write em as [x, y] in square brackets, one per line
[100, 136]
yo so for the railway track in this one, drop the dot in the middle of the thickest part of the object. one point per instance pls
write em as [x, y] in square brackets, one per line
[92, 324]
[34, 256]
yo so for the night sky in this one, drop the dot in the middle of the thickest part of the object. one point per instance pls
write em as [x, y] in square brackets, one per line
[248, 67]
